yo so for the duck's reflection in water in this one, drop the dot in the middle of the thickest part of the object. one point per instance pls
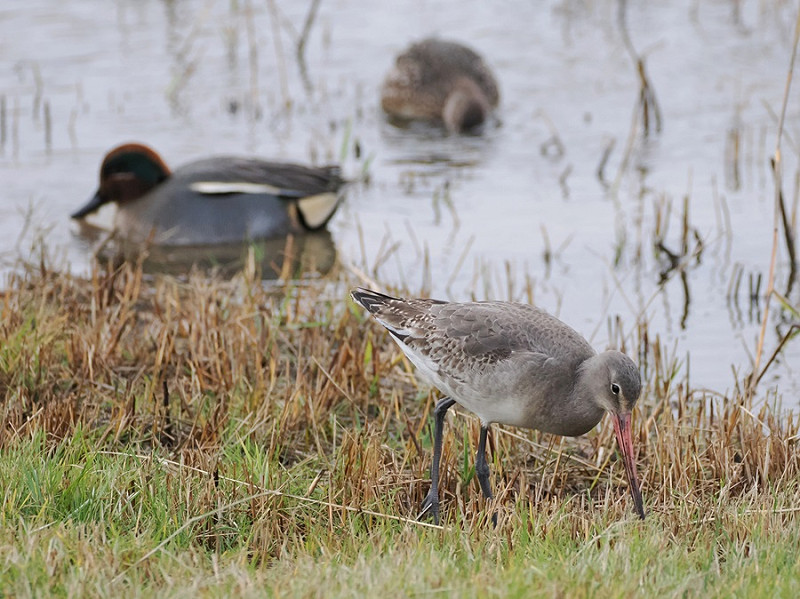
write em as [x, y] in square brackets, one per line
[289, 257]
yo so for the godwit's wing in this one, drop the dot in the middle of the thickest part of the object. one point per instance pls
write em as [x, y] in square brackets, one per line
[506, 362]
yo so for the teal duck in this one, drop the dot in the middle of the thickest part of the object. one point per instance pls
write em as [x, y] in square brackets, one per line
[442, 82]
[222, 199]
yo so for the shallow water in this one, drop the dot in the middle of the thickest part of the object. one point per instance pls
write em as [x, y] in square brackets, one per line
[461, 216]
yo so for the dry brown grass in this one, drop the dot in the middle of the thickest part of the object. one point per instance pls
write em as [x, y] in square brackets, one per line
[298, 370]
[275, 418]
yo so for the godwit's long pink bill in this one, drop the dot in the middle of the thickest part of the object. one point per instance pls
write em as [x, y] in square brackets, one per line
[512, 364]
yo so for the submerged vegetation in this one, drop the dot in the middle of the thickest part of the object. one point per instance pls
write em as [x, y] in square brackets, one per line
[222, 436]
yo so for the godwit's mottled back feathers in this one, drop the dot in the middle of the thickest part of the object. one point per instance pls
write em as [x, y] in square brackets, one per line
[506, 362]
[476, 332]
[395, 314]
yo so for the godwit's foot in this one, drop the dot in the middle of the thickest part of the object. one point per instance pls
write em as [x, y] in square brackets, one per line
[494, 519]
[430, 507]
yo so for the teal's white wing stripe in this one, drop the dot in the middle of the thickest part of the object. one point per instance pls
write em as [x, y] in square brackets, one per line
[222, 187]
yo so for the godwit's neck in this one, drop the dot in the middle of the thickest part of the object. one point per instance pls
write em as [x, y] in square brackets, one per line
[582, 404]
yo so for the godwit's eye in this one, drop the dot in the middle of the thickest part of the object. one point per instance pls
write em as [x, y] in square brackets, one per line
[614, 388]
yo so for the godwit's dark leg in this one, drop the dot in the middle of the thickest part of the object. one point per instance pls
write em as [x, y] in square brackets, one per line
[482, 468]
[431, 501]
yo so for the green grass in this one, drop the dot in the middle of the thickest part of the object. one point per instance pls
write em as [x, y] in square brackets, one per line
[80, 521]
[200, 438]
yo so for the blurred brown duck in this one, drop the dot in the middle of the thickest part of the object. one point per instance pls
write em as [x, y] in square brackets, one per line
[440, 81]
[216, 200]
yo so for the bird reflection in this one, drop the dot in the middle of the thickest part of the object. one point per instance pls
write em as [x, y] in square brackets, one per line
[286, 257]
